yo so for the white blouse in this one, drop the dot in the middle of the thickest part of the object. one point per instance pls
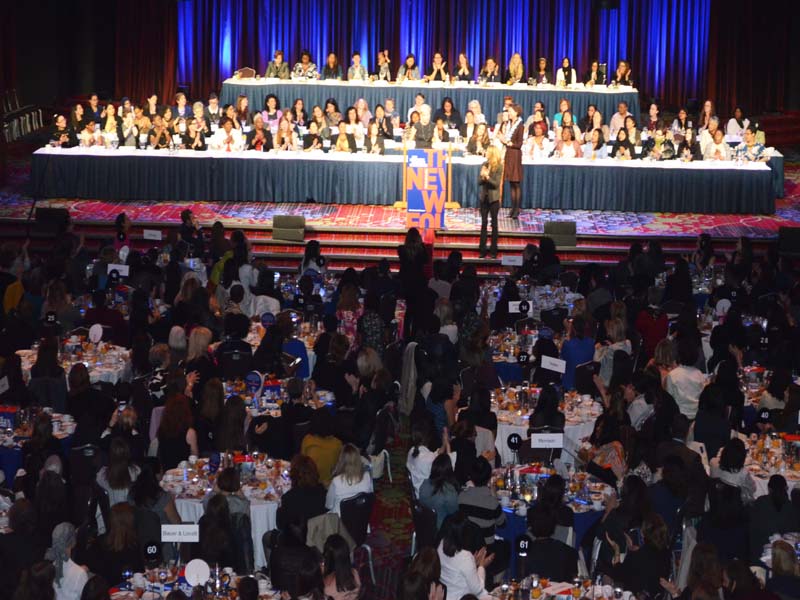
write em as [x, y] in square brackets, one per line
[732, 128]
[461, 575]
[341, 490]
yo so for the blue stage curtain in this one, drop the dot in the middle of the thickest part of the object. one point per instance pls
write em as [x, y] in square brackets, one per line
[666, 40]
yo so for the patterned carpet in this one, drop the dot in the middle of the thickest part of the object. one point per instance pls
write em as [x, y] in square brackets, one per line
[391, 526]
[15, 205]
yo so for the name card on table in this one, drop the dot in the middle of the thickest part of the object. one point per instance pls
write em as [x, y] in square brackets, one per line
[554, 364]
[122, 270]
[187, 532]
[511, 260]
[152, 234]
[545, 440]
[519, 306]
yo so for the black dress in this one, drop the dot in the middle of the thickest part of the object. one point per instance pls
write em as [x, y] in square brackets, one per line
[173, 449]
[187, 141]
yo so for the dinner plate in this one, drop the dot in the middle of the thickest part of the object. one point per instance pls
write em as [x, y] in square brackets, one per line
[197, 572]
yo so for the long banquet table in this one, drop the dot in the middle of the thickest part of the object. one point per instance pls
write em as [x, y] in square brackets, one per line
[491, 97]
[157, 175]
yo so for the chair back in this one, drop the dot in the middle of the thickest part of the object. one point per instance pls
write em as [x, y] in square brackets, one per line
[299, 431]
[148, 533]
[554, 318]
[84, 463]
[584, 378]
[241, 528]
[356, 513]
[424, 519]
[523, 324]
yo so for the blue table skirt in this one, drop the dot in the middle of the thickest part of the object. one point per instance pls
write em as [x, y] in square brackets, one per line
[491, 98]
[11, 459]
[144, 176]
[516, 525]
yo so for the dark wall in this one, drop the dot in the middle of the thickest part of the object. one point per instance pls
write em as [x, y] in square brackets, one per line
[793, 76]
[64, 49]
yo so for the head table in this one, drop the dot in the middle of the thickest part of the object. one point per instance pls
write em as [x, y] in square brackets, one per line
[490, 96]
[581, 184]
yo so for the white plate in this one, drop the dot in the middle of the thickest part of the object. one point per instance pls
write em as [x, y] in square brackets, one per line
[197, 572]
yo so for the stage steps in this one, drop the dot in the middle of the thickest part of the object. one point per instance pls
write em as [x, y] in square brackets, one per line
[357, 249]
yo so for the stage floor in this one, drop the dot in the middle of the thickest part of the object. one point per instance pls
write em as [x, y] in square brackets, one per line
[15, 205]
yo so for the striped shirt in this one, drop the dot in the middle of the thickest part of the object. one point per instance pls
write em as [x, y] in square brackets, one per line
[483, 509]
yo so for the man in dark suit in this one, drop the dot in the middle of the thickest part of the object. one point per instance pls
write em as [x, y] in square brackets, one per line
[692, 462]
[546, 556]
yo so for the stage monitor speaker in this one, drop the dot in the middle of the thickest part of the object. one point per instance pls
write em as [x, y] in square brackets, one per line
[563, 233]
[52, 220]
[289, 228]
[789, 241]
[605, 4]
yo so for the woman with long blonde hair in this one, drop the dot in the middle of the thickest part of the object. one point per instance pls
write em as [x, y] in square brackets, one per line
[516, 70]
[490, 183]
[349, 479]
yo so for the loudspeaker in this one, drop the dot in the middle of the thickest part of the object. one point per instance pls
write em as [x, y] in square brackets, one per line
[789, 241]
[52, 220]
[289, 227]
[563, 233]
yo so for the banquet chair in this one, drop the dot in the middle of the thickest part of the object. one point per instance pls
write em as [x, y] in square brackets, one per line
[424, 535]
[299, 431]
[584, 382]
[527, 454]
[554, 319]
[356, 513]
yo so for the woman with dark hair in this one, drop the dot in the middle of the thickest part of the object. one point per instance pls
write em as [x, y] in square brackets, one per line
[51, 392]
[440, 491]
[409, 69]
[547, 413]
[541, 74]
[449, 114]
[463, 444]
[623, 148]
[621, 516]
[272, 112]
[594, 76]
[341, 579]
[711, 426]
[268, 356]
[306, 498]
[120, 474]
[312, 259]
[51, 502]
[177, 439]
[461, 571]
[332, 68]
[216, 539]
[288, 561]
[414, 257]
[645, 564]
[689, 149]
[230, 432]
[679, 284]
[37, 450]
[769, 515]
[147, 493]
[479, 411]
[511, 137]
[725, 523]
[668, 495]
[118, 550]
[425, 447]
[727, 379]
[551, 499]
[728, 467]
[566, 74]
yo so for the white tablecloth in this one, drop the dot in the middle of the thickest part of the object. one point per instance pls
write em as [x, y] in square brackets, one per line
[574, 433]
[112, 368]
[263, 518]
